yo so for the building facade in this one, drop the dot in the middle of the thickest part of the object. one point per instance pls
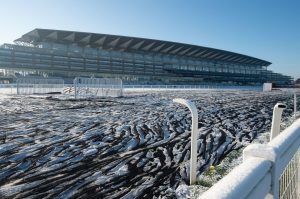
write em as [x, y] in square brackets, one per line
[69, 54]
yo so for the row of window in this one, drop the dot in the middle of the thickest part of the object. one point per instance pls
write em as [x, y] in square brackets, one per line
[86, 52]
[208, 67]
[136, 60]
[80, 62]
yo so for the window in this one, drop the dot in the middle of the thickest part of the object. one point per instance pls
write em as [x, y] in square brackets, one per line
[59, 46]
[75, 49]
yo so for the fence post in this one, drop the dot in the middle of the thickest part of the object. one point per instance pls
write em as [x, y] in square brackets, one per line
[193, 161]
[75, 87]
[18, 91]
[295, 105]
[275, 130]
[268, 153]
[276, 120]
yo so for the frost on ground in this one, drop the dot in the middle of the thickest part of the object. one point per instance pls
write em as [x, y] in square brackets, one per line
[136, 146]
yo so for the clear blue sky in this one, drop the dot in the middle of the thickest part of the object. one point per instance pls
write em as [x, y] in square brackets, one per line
[266, 29]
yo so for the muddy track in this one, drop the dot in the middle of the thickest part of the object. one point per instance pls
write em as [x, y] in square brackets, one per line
[131, 147]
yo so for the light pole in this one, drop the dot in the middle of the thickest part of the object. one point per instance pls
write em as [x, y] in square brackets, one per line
[194, 112]
[276, 120]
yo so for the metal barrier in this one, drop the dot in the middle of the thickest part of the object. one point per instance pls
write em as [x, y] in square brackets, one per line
[69, 88]
[27, 86]
[289, 180]
[268, 170]
[189, 87]
[8, 88]
[93, 87]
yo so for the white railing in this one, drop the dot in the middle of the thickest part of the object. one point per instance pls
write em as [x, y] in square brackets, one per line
[268, 170]
[97, 87]
[8, 88]
[289, 180]
[189, 87]
[27, 86]
[12, 88]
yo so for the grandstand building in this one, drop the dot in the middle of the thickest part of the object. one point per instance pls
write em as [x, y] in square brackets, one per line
[135, 60]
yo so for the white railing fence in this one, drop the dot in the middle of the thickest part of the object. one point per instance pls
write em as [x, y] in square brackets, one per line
[189, 87]
[89, 90]
[289, 180]
[26, 86]
[97, 87]
[268, 170]
[8, 88]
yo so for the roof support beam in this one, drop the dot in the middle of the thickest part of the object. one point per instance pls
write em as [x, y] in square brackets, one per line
[156, 49]
[52, 35]
[100, 41]
[237, 59]
[200, 53]
[70, 37]
[138, 45]
[227, 57]
[148, 46]
[206, 54]
[193, 52]
[34, 33]
[254, 61]
[126, 44]
[184, 51]
[114, 42]
[212, 56]
[221, 56]
[234, 57]
[167, 49]
[243, 60]
[176, 50]
[86, 39]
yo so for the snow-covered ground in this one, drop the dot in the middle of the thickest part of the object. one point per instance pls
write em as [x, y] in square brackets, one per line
[131, 147]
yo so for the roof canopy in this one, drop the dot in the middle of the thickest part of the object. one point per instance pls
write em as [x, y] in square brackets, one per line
[134, 44]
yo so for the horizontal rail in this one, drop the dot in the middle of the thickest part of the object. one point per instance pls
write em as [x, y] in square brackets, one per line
[186, 87]
[252, 174]
[260, 173]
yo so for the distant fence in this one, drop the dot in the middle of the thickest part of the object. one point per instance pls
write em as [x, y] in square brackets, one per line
[97, 87]
[189, 87]
[8, 88]
[27, 86]
[268, 170]
[88, 89]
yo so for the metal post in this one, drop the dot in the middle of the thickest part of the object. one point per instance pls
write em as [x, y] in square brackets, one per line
[18, 88]
[295, 105]
[75, 87]
[193, 161]
[276, 120]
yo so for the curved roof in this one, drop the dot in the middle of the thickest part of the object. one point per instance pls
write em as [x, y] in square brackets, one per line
[133, 44]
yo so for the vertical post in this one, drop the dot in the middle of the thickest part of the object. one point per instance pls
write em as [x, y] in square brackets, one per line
[18, 88]
[276, 120]
[295, 105]
[193, 162]
[75, 87]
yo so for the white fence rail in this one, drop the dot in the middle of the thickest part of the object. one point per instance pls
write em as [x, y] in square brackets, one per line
[26, 86]
[268, 170]
[289, 180]
[97, 87]
[8, 88]
[190, 87]
[69, 88]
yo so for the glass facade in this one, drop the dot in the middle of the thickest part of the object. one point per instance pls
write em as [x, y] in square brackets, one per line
[142, 66]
